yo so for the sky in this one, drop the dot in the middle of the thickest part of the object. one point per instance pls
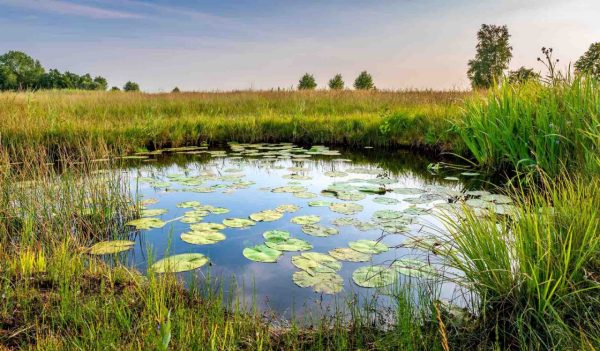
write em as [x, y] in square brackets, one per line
[264, 44]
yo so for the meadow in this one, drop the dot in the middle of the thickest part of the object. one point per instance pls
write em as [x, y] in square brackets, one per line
[536, 274]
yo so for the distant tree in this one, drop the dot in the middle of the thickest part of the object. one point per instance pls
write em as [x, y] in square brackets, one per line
[589, 63]
[115, 89]
[53, 79]
[336, 83]
[492, 57]
[523, 75]
[364, 81]
[19, 71]
[131, 86]
[307, 82]
[100, 83]
[175, 90]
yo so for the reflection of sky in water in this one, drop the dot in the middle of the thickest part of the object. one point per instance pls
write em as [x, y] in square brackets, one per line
[271, 283]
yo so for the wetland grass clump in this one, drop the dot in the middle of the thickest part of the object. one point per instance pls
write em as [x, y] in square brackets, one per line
[536, 274]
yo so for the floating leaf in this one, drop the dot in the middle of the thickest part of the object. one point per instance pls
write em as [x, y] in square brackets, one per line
[414, 268]
[147, 202]
[342, 221]
[190, 220]
[368, 246]
[415, 211]
[350, 196]
[497, 198]
[319, 203]
[348, 254]
[304, 195]
[326, 283]
[202, 237]
[385, 200]
[111, 247]
[478, 203]
[180, 263]
[266, 216]
[394, 226]
[276, 235]
[188, 204]
[261, 253]
[289, 189]
[477, 193]
[346, 208]
[373, 276]
[219, 210]
[306, 219]
[315, 262]
[152, 212]
[319, 230]
[408, 191]
[238, 222]
[387, 215]
[289, 244]
[335, 174]
[207, 226]
[146, 223]
[287, 208]
[365, 226]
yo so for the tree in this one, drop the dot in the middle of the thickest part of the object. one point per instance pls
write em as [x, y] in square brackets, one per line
[115, 89]
[100, 83]
[336, 83]
[19, 71]
[523, 75]
[307, 82]
[364, 81]
[131, 86]
[175, 90]
[492, 57]
[589, 62]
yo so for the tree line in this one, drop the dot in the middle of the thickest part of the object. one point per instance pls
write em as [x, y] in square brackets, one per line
[493, 55]
[364, 81]
[19, 71]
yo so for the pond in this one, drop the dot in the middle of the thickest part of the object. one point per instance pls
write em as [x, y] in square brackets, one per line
[293, 226]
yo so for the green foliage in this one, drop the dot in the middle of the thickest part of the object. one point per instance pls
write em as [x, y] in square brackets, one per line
[131, 86]
[364, 81]
[175, 90]
[307, 82]
[336, 83]
[492, 57]
[523, 75]
[589, 62]
[115, 89]
[19, 71]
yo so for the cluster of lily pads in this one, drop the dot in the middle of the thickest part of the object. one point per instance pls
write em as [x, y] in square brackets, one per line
[316, 270]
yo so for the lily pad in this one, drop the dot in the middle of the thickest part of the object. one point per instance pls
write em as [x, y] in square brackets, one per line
[203, 237]
[365, 226]
[152, 212]
[326, 283]
[266, 216]
[346, 208]
[289, 189]
[335, 174]
[306, 219]
[207, 226]
[287, 208]
[219, 210]
[408, 191]
[261, 253]
[350, 196]
[386, 215]
[315, 262]
[348, 254]
[385, 200]
[342, 221]
[276, 235]
[180, 263]
[146, 223]
[305, 195]
[111, 247]
[373, 276]
[497, 198]
[319, 230]
[414, 268]
[188, 204]
[368, 246]
[238, 222]
[289, 244]
[319, 203]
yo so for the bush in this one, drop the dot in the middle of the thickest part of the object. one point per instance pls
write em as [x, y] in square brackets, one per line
[364, 81]
[336, 83]
[131, 86]
[307, 82]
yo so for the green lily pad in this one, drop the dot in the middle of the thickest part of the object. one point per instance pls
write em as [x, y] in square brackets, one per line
[147, 202]
[335, 174]
[348, 254]
[478, 203]
[261, 253]
[315, 262]
[386, 215]
[386, 200]
[201, 189]
[180, 263]
[219, 210]
[289, 244]
[287, 208]
[306, 219]
[319, 230]
[408, 191]
[368, 246]
[350, 196]
[238, 222]
[395, 226]
[152, 212]
[190, 220]
[415, 211]
[203, 237]
[477, 193]
[146, 223]
[207, 226]
[342, 221]
[266, 216]
[305, 195]
[373, 276]
[188, 204]
[276, 235]
[319, 203]
[110, 247]
[414, 268]
[365, 226]
[497, 198]
[346, 208]
[289, 189]
[326, 283]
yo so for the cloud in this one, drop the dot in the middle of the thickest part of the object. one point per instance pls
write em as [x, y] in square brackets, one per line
[69, 8]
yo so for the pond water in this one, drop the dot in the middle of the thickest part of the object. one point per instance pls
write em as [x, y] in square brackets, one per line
[371, 204]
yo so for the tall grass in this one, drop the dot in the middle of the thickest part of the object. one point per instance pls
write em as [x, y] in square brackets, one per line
[535, 126]
[536, 273]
